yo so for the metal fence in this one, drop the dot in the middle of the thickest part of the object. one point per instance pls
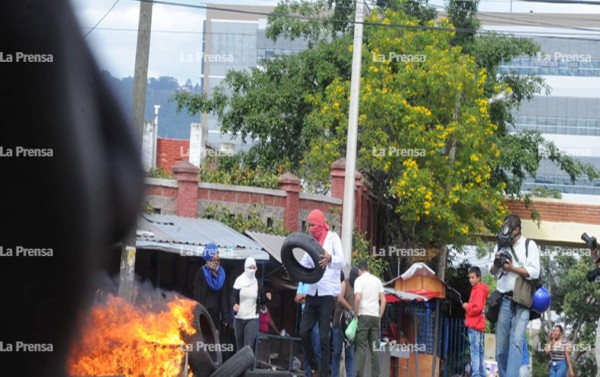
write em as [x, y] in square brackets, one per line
[454, 347]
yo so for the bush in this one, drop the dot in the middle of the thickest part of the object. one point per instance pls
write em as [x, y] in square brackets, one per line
[241, 222]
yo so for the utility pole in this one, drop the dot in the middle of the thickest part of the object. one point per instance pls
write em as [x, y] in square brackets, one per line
[140, 78]
[348, 208]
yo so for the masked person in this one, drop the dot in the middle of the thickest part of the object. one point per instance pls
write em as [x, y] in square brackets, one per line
[248, 296]
[320, 298]
[210, 287]
[512, 259]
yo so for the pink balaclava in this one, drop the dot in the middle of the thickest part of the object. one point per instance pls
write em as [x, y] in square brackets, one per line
[319, 231]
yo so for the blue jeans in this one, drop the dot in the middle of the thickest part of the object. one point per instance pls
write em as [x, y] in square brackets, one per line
[338, 343]
[558, 368]
[510, 333]
[316, 344]
[477, 358]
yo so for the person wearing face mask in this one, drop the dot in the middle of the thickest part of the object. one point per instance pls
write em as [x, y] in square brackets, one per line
[209, 287]
[320, 298]
[248, 296]
[513, 257]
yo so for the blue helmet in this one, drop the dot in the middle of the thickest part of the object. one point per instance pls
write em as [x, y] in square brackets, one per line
[541, 300]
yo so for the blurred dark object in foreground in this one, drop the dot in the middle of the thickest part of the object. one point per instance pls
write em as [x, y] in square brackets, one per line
[71, 187]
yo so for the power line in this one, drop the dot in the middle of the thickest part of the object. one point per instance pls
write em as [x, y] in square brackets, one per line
[307, 18]
[554, 35]
[102, 19]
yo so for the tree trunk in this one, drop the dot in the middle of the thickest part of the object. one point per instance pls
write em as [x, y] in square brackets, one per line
[442, 263]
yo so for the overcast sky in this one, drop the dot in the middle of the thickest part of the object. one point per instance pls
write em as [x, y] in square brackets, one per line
[177, 32]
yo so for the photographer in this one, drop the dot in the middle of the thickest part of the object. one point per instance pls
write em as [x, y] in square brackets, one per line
[511, 260]
[592, 243]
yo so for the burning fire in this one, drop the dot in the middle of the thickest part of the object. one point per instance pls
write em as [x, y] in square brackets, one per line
[121, 339]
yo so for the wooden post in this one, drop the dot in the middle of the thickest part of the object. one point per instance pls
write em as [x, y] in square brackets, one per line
[127, 273]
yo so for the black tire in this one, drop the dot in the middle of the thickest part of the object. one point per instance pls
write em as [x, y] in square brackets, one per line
[237, 364]
[204, 360]
[295, 269]
[267, 373]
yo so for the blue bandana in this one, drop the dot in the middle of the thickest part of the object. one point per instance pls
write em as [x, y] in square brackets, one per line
[214, 282]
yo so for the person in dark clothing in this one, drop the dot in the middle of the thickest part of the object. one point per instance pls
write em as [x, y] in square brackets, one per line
[210, 289]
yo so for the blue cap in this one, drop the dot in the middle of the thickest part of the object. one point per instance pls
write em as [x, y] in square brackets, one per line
[210, 250]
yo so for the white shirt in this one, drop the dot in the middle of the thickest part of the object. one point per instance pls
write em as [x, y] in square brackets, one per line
[247, 307]
[369, 286]
[532, 264]
[330, 284]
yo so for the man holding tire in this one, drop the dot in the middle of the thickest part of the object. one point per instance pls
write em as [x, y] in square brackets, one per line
[320, 299]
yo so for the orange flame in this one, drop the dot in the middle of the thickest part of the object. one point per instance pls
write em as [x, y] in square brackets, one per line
[120, 339]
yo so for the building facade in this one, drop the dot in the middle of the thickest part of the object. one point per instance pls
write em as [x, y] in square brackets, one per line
[234, 39]
[570, 64]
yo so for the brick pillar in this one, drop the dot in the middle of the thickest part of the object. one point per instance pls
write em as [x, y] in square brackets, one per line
[338, 174]
[291, 185]
[187, 188]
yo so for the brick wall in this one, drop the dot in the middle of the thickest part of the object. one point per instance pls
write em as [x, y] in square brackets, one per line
[558, 211]
[171, 151]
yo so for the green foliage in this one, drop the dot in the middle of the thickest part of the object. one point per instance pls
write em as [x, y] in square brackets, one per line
[435, 107]
[544, 192]
[576, 300]
[418, 9]
[457, 278]
[314, 21]
[148, 209]
[463, 15]
[361, 252]
[160, 172]
[490, 280]
[231, 170]
[270, 104]
[241, 222]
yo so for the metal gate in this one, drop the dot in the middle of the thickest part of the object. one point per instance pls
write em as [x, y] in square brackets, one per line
[454, 347]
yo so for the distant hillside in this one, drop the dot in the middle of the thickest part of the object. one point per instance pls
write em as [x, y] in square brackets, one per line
[158, 92]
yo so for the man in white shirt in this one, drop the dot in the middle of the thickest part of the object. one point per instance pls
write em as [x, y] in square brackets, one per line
[520, 259]
[320, 298]
[369, 301]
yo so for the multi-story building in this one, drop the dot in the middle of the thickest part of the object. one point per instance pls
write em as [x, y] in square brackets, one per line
[570, 64]
[234, 39]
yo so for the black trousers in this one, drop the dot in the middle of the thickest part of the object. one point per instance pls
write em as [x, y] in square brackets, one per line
[317, 309]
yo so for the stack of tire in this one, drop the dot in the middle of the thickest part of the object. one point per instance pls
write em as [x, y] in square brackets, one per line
[207, 363]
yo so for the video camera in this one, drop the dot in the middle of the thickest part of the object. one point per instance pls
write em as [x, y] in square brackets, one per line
[591, 242]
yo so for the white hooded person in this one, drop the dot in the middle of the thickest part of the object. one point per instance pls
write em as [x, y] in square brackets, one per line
[248, 296]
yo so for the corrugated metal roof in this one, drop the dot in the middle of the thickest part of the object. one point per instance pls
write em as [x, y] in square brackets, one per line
[272, 244]
[405, 296]
[188, 237]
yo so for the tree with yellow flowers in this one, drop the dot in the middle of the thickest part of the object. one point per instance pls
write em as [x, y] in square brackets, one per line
[425, 135]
